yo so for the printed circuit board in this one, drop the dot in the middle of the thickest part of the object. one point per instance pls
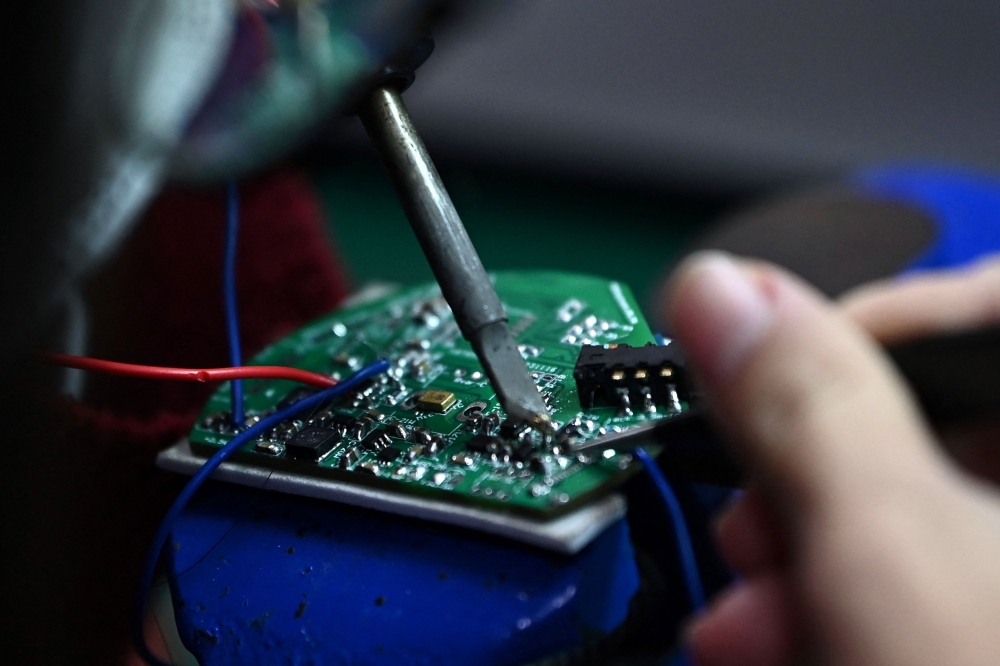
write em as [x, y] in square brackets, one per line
[432, 426]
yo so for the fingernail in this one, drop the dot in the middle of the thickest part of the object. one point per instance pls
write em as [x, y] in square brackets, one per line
[719, 312]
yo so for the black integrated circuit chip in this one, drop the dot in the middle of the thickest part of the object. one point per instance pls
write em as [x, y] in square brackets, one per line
[312, 443]
[481, 443]
[487, 446]
[296, 395]
[376, 440]
[523, 451]
[388, 454]
[511, 429]
[342, 422]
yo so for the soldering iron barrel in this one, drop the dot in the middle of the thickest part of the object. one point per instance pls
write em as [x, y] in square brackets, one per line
[453, 258]
[455, 262]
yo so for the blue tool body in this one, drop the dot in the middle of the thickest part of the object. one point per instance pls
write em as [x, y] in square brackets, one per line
[262, 577]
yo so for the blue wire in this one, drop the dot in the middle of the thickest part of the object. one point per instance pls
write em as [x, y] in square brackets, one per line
[229, 295]
[235, 444]
[685, 548]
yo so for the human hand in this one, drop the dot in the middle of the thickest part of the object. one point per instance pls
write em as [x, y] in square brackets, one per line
[858, 540]
[936, 303]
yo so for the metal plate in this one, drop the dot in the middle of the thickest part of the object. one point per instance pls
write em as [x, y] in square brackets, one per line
[568, 533]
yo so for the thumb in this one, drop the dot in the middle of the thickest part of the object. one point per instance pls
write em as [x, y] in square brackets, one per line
[810, 402]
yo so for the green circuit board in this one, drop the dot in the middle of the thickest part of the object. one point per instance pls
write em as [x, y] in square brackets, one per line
[432, 444]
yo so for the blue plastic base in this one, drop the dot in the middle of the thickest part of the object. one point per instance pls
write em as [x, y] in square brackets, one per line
[268, 578]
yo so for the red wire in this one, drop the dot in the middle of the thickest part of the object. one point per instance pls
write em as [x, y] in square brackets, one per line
[193, 374]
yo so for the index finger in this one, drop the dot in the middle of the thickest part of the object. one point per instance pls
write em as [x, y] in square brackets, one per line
[928, 304]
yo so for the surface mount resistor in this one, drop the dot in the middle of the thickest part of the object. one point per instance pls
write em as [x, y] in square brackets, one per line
[349, 458]
[397, 430]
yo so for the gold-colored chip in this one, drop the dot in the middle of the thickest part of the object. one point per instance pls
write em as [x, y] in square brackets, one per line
[640, 374]
[618, 376]
[436, 401]
[666, 372]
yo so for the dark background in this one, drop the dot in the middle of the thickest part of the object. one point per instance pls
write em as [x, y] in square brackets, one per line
[517, 220]
[605, 136]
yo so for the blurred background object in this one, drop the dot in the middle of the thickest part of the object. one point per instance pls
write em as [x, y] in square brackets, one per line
[121, 95]
[665, 107]
[636, 125]
[722, 93]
